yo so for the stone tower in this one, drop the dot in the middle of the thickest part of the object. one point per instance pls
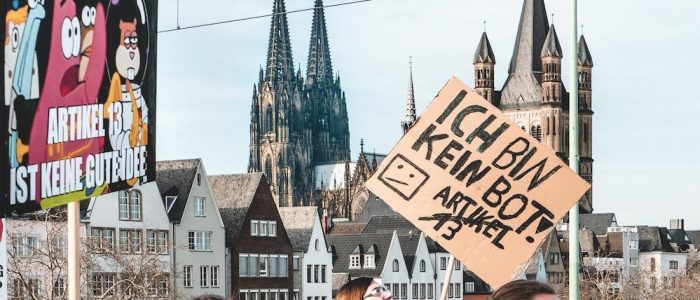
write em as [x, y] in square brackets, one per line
[533, 95]
[296, 122]
[410, 101]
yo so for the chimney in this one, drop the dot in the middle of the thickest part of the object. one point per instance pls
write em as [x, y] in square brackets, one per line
[677, 224]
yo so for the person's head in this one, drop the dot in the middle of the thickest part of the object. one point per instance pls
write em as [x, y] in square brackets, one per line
[363, 288]
[209, 297]
[525, 290]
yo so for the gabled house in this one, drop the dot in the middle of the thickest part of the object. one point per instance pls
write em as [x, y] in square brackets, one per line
[259, 252]
[197, 230]
[555, 255]
[658, 257]
[129, 233]
[312, 263]
[420, 268]
[597, 222]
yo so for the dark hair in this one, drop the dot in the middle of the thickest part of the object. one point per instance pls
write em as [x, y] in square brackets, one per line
[522, 290]
[355, 289]
[208, 297]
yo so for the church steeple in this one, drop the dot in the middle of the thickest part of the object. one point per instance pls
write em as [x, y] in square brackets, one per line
[484, 62]
[552, 88]
[280, 66]
[532, 31]
[410, 101]
[319, 65]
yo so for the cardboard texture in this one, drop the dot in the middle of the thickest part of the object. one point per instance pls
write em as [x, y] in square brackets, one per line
[477, 184]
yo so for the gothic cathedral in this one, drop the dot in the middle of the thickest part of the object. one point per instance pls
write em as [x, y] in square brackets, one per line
[297, 121]
[533, 95]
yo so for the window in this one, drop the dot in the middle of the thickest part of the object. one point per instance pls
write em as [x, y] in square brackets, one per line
[395, 289]
[169, 201]
[355, 261]
[673, 265]
[431, 291]
[317, 245]
[295, 295]
[243, 296]
[102, 284]
[457, 290]
[263, 228]
[450, 291]
[404, 290]
[254, 227]
[187, 276]
[443, 263]
[199, 240]
[633, 245]
[316, 273]
[268, 119]
[242, 265]
[422, 290]
[214, 276]
[102, 238]
[268, 169]
[130, 205]
[422, 265]
[199, 179]
[263, 264]
[130, 240]
[308, 273]
[199, 206]
[158, 285]
[414, 291]
[468, 287]
[203, 276]
[369, 261]
[634, 262]
[25, 245]
[323, 273]
[272, 229]
[59, 246]
[395, 265]
[284, 266]
[457, 265]
[273, 266]
[59, 287]
[553, 258]
[295, 263]
[157, 241]
[253, 263]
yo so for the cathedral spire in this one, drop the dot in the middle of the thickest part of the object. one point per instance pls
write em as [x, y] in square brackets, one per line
[584, 55]
[410, 100]
[280, 66]
[484, 52]
[532, 32]
[551, 45]
[319, 66]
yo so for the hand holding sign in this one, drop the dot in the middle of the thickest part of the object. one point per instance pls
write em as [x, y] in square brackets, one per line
[477, 184]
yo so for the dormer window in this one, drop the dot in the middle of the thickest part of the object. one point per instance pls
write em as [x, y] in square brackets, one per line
[355, 261]
[169, 201]
[369, 261]
[422, 265]
[395, 265]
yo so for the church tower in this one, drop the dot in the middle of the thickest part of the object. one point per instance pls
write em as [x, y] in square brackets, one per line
[280, 137]
[533, 95]
[410, 101]
[585, 66]
[484, 62]
[331, 136]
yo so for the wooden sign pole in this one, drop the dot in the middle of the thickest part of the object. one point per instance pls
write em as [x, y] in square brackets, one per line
[448, 278]
[73, 241]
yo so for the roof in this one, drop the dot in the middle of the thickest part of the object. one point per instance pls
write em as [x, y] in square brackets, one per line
[551, 45]
[299, 223]
[175, 178]
[484, 52]
[409, 245]
[681, 238]
[347, 228]
[343, 245]
[389, 224]
[375, 207]
[532, 32]
[598, 223]
[694, 236]
[233, 195]
[653, 238]
[584, 55]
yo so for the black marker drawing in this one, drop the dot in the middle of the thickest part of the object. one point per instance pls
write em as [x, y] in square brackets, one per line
[403, 177]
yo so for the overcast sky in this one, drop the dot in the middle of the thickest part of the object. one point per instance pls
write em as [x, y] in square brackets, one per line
[646, 132]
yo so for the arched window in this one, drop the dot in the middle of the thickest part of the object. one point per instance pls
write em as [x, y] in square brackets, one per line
[422, 265]
[554, 125]
[395, 265]
[536, 132]
[135, 204]
[130, 208]
[317, 245]
[268, 168]
[268, 119]
[123, 205]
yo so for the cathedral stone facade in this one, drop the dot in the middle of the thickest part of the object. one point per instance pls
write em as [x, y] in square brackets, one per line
[533, 95]
[297, 122]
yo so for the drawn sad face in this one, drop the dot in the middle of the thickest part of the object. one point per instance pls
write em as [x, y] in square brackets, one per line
[403, 177]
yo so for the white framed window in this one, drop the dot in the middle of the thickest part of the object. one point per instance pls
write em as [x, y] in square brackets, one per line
[253, 265]
[102, 238]
[243, 265]
[450, 291]
[272, 228]
[457, 265]
[369, 261]
[101, 284]
[59, 245]
[243, 295]
[123, 205]
[59, 287]
[323, 273]
[414, 291]
[263, 228]
[273, 263]
[130, 208]
[468, 287]
[404, 290]
[443, 263]
[431, 291]
[634, 262]
[263, 264]
[130, 240]
[254, 227]
[673, 265]
[355, 261]
[458, 290]
[199, 206]
[395, 265]
[633, 244]
[214, 270]
[25, 245]
[422, 265]
[284, 266]
[199, 240]
[295, 263]
[203, 275]
[422, 290]
[187, 276]
[169, 201]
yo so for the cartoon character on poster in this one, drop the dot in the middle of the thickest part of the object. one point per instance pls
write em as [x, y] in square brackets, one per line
[21, 69]
[125, 104]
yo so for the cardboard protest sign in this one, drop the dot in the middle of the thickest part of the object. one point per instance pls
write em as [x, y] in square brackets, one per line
[477, 184]
[77, 113]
